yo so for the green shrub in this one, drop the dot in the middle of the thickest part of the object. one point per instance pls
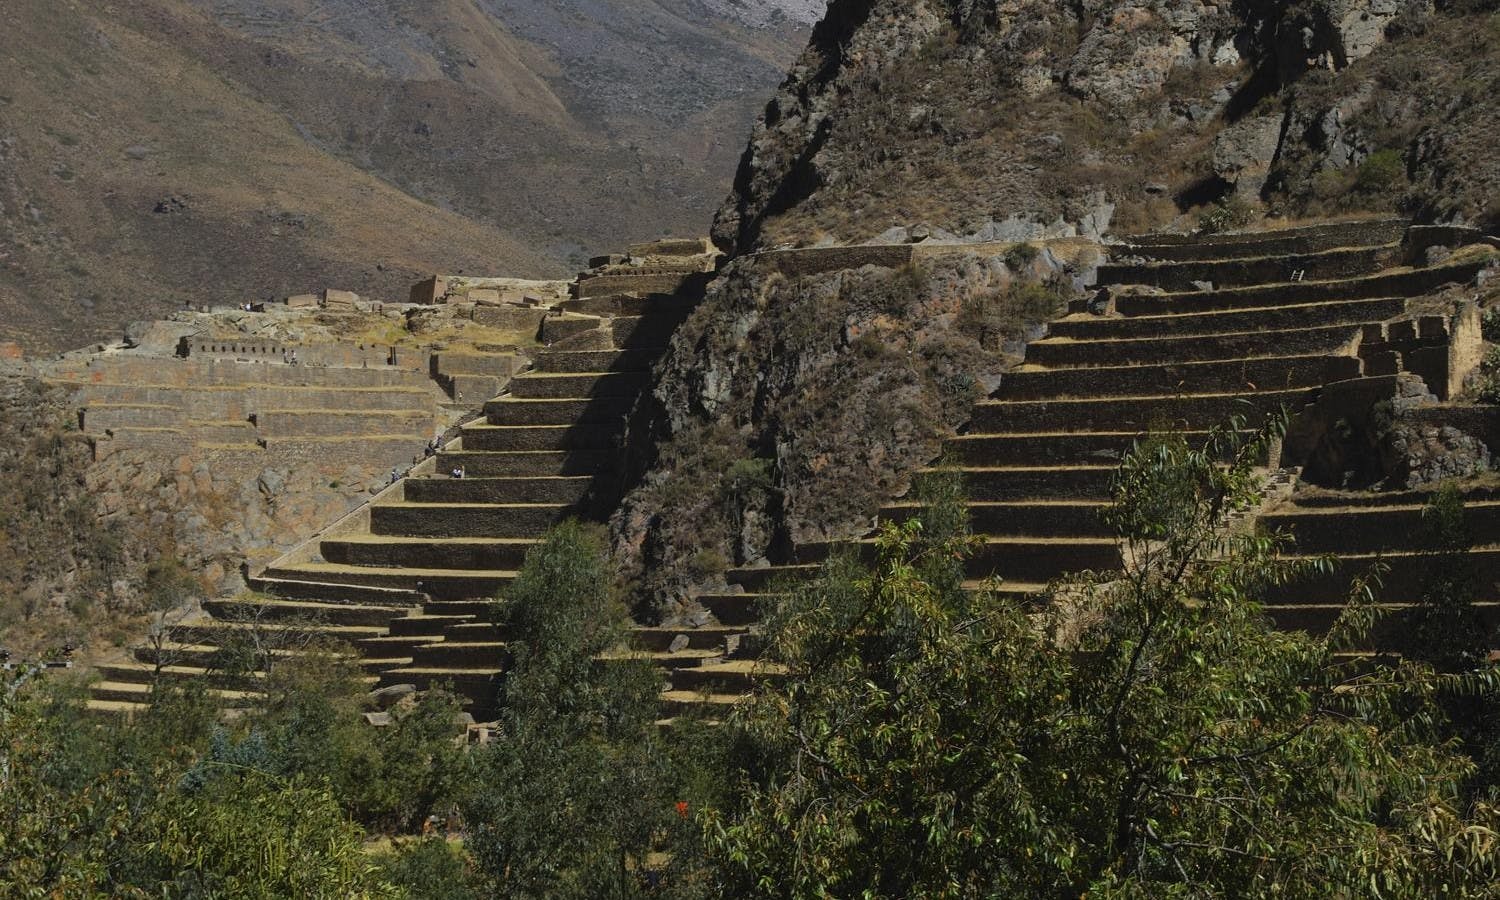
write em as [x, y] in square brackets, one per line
[169, 584]
[1380, 172]
[1488, 389]
[1150, 735]
[575, 788]
[1230, 214]
[1489, 324]
[430, 869]
[1021, 256]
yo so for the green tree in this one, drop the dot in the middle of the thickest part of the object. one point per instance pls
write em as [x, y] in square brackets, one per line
[1148, 734]
[388, 779]
[570, 797]
[131, 810]
[247, 834]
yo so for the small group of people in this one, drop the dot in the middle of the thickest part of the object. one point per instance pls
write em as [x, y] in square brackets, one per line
[433, 446]
[458, 472]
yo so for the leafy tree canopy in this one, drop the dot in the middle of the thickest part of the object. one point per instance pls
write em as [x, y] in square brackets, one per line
[1146, 733]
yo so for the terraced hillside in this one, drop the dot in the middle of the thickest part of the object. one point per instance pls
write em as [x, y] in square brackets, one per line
[1286, 314]
[1184, 335]
[407, 580]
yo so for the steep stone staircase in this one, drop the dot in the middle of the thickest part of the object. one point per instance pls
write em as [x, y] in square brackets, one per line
[408, 580]
[1187, 334]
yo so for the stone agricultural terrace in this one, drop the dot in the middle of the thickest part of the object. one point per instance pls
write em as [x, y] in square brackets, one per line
[1329, 322]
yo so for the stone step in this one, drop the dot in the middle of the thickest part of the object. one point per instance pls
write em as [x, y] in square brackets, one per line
[209, 401]
[1305, 239]
[670, 660]
[1224, 347]
[299, 589]
[274, 633]
[1051, 448]
[729, 677]
[1407, 575]
[1369, 529]
[475, 632]
[1024, 592]
[1311, 498]
[1342, 262]
[426, 625]
[1038, 560]
[624, 282]
[768, 578]
[1399, 283]
[599, 338]
[296, 423]
[1282, 372]
[642, 332]
[622, 305]
[518, 463]
[703, 637]
[1044, 518]
[148, 673]
[565, 491]
[478, 686]
[1025, 559]
[564, 327]
[428, 553]
[441, 584]
[447, 654]
[732, 609]
[699, 704]
[393, 646]
[465, 519]
[520, 438]
[479, 610]
[596, 360]
[573, 385]
[1192, 412]
[596, 411]
[1318, 618]
[114, 709]
[1010, 483]
[265, 609]
[1306, 315]
[131, 692]
[208, 655]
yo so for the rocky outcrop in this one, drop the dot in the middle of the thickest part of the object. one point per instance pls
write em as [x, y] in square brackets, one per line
[957, 113]
[790, 406]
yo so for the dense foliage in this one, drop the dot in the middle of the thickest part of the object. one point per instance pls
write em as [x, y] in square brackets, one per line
[1147, 735]
[570, 795]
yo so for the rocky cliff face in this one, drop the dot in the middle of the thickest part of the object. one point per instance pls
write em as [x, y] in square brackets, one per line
[1010, 117]
[796, 400]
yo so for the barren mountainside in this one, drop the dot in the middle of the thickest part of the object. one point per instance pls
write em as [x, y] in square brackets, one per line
[978, 116]
[156, 152]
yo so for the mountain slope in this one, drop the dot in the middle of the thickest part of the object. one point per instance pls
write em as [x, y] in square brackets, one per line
[156, 152]
[962, 113]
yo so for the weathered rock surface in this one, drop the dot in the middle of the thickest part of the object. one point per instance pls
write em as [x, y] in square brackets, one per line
[789, 407]
[966, 113]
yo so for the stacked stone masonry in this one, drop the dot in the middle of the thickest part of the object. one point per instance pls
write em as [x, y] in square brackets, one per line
[1185, 334]
[408, 580]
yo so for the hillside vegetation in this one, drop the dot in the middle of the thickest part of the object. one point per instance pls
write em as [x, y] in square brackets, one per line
[925, 741]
